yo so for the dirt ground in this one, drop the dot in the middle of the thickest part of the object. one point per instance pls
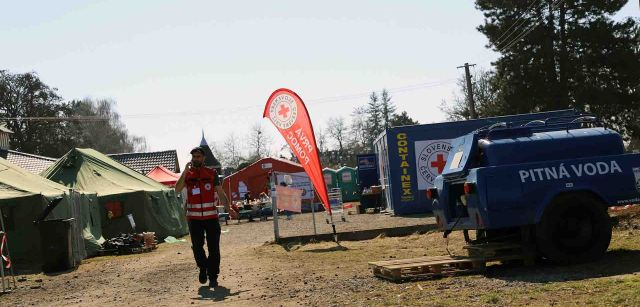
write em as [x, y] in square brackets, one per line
[255, 273]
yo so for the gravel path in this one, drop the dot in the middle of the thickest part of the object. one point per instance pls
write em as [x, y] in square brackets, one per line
[253, 271]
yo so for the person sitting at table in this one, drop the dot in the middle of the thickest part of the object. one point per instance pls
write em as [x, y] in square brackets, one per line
[235, 208]
[247, 199]
[262, 207]
[263, 196]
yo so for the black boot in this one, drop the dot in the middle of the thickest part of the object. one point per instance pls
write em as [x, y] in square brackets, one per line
[202, 277]
[213, 281]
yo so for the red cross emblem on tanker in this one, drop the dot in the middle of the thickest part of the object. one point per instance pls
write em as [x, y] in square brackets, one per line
[439, 163]
[284, 111]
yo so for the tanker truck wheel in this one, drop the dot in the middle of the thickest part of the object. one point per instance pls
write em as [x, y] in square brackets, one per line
[574, 228]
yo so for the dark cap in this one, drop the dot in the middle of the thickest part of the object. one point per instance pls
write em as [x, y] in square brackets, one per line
[198, 148]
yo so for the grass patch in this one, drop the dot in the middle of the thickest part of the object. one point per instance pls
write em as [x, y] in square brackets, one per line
[491, 299]
[343, 272]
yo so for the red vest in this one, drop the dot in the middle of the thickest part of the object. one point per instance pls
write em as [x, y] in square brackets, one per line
[200, 194]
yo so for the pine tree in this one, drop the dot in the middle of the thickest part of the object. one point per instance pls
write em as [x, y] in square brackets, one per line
[388, 109]
[374, 119]
[575, 56]
[402, 119]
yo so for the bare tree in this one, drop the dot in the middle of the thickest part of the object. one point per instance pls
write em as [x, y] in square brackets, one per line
[218, 152]
[338, 132]
[321, 140]
[486, 95]
[231, 155]
[287, 150]
[259, 141]
[25, 95]
[359, 127]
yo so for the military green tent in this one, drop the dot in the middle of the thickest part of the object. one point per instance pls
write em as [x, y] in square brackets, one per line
[90, 217]
[23, 198]
[121, 192]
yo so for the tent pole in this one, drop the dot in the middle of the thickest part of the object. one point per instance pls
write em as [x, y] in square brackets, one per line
[313, 215]
[274, 207]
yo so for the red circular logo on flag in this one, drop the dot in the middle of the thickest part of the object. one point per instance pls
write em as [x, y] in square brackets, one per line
[283, 111]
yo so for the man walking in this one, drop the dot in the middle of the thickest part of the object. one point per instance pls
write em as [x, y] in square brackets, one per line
[202, 214]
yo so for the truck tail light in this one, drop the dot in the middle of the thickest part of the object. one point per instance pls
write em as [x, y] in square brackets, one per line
[469, 188]
[432, 193]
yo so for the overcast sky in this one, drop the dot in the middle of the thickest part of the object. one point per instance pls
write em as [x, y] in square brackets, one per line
[177, 67]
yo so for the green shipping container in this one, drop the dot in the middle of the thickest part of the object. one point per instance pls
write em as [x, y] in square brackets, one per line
[348, 182]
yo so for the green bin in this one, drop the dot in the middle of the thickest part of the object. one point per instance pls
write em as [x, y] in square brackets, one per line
[348, 183]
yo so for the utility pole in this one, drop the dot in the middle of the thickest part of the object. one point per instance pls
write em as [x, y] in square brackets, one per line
[472, 103]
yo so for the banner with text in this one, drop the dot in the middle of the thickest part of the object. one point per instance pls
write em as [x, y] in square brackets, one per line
[287, 112]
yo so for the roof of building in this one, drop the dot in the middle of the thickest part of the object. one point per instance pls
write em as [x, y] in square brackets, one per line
[32, 163]
[144, 162]
[163, 175]
[210, 160]
[266, 164]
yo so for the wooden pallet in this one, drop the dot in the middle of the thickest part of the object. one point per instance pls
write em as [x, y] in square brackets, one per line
[498, 250]
[438, 266]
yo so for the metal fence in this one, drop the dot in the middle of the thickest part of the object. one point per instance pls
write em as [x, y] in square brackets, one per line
[347, 217]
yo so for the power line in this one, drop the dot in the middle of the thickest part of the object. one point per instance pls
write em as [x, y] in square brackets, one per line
[524, 33]
[313, 101]
[520, 20]
[406, 88]
[530, 29]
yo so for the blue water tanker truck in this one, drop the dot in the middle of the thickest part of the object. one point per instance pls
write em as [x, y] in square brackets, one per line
[545, 183]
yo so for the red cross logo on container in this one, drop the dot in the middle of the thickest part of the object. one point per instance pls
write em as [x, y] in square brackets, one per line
[432, 158]
[283, 111]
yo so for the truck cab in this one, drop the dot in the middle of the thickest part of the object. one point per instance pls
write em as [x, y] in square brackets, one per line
[546, 182]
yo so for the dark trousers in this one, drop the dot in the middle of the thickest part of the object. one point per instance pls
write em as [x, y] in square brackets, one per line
[199, 229]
